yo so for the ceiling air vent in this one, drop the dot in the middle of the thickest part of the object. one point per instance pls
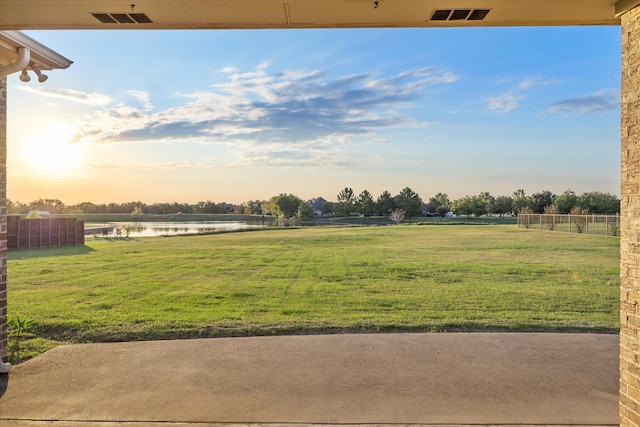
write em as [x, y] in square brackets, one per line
[459, 14]
[123, 18]
[141, 18]
[478, 14]
[441, 15]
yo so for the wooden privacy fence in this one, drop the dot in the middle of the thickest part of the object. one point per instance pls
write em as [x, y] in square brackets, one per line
[600, 225]
[43, 233]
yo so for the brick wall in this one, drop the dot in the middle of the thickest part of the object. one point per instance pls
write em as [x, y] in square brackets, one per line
[630, 224]
[3, 219]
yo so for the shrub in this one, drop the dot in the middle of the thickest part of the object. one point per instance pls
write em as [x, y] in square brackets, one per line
[548, 218]
[397, 215]
[613, 226]
[18, 326]
[579, 218]
[524, 217]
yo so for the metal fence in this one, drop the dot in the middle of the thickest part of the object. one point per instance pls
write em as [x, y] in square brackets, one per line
[600, 225]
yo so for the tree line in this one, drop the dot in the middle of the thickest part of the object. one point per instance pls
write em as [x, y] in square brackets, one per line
[350, 203]
[56, 206]
[484, 203]
[539, 203]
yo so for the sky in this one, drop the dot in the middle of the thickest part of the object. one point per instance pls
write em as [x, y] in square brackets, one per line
[235, 115]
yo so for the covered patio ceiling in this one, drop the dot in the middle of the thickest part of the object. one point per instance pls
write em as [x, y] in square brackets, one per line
[230, 14]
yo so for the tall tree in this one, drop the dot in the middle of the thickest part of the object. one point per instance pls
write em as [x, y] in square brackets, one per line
[470, 205]
[565, 201]
[346, 202]
[439, 203]
[136, 213]
[520, 201]
[255, 207]
[53, 206]
[409, 201]
[284, 205]
[480, 205]
[365, 203]
[503, 205]
[489, 200]
[16, 207]
[304, 210]
[463, 206]
[328, 208]
[599, 203]
[542, 200]
[385, 204]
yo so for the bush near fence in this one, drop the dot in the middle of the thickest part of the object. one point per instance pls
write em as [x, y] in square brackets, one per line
[599, 225]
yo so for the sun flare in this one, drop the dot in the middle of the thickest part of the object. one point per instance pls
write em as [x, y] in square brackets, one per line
[50, 152]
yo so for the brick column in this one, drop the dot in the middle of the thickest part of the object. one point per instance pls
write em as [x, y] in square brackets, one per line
[630, 226]
[3, 220]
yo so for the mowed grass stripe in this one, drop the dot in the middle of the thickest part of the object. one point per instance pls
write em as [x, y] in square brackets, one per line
[317, 280]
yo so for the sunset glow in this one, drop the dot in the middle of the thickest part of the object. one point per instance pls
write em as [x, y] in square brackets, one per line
[49, 152]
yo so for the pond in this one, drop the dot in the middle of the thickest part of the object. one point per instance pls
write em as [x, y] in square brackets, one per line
[150, 229]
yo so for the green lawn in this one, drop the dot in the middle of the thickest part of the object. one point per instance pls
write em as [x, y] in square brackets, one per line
[316, 280]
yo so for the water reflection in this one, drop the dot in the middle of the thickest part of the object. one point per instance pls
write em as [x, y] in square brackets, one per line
[149, 229]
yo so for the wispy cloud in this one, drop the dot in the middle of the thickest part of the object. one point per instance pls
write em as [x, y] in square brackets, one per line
[604, 100]
[285, 113]
[505, 102]
[182, 164]
[104, 124]
[378, 141]
[290, 155]
[252, 156]
[530, 82]
[96, 99]
[510, 99]
[144, 97]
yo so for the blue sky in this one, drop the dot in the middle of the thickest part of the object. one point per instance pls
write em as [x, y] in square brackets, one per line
[236, 115]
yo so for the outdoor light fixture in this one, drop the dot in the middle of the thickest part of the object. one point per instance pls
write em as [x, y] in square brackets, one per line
[41, 77]
[24, 76]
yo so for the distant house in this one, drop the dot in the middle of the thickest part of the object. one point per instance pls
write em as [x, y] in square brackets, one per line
[228, 207]
[316, 205]
[424, 210]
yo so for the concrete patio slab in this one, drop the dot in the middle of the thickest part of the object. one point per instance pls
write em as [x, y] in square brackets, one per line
[405, 379]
